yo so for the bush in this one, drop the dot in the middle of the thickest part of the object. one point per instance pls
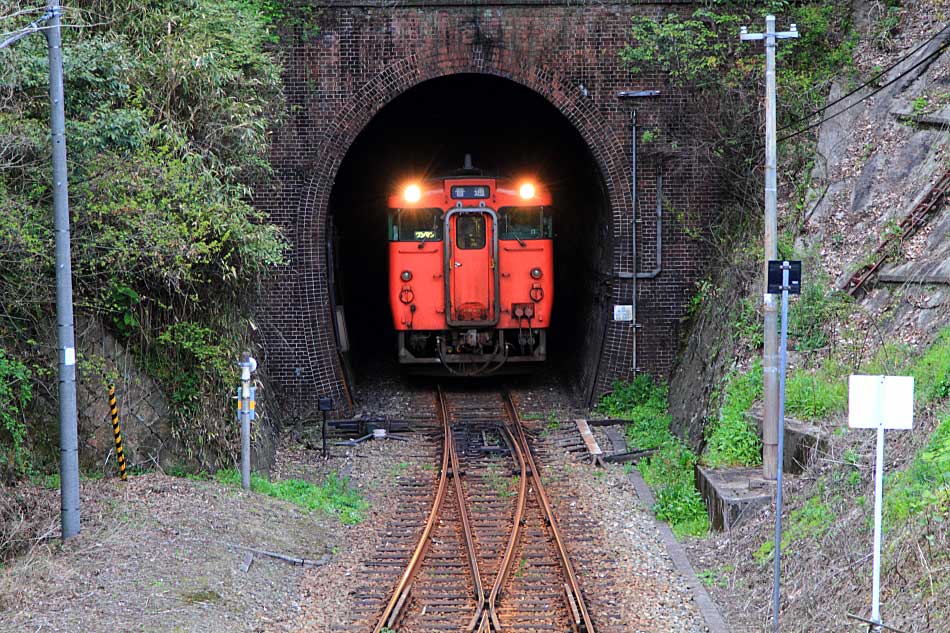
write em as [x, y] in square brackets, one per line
[669, 471]
[724, 75]
[168, 108]
[814, 394]
[810, 315]
[926, 483]
[733, 440]
[15, 394]
[931, 371]
[645, 405]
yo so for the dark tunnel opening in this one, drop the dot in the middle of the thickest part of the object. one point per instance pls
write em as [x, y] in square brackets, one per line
[510, 131]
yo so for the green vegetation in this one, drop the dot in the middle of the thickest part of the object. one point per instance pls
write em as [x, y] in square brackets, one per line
[747, 326]
[925, 483]
[644, 404]
[931, 371]
[815, 394]
[733, 440]
[811, 522]
[502, 485]
[197, 597]
[333, 497]
[669, 471]
[817, 306]
[725, 76]
[168, 107]
[16, 392]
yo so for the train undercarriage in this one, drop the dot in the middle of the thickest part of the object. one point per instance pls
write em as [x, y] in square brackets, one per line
[471, 351]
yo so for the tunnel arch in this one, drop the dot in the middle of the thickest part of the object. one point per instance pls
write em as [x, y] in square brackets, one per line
[326, 158]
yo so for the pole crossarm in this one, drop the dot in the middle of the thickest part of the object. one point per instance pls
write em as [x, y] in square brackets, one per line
[33, 26]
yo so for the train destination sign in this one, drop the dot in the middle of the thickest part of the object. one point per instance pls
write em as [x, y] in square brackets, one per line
[469, 191]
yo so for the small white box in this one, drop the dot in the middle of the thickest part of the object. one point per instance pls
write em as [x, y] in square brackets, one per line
[881, 402]
[623, 313]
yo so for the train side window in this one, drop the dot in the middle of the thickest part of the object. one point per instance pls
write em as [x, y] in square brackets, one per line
[416, 225]
[470, 232]
[524, 223]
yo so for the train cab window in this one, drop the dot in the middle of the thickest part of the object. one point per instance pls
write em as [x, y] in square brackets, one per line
[524, 223]
[470, 231]
[415, 225]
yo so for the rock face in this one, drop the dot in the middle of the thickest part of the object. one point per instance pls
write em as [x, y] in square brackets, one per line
[143, 409]
[707, 356]
[145, 414]
[874, 163]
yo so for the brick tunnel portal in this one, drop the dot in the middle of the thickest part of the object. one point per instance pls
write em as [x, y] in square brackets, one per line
[509, 130]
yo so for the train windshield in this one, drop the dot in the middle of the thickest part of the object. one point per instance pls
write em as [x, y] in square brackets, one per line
[415, 225]
[524, 223]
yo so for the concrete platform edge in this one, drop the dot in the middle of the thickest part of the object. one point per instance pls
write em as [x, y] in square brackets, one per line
[707, 607]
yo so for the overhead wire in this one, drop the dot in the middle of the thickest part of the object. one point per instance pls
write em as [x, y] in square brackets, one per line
[867, 83]
[936, 53]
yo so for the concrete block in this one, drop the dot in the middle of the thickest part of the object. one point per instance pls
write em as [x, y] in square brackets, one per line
[731, 494]
[803, 442]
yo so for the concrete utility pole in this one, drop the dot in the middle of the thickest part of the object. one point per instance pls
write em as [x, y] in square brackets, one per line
[770, 412]
[66, 338]
[68, 440]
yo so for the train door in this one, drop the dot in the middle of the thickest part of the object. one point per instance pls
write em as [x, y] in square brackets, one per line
[471, 262]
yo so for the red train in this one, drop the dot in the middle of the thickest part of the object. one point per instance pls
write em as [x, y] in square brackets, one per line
[471, 271]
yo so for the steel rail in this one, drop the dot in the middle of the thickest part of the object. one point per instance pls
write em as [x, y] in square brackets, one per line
[581, 620]
[491, 619]
[463, 514]
[393, 608]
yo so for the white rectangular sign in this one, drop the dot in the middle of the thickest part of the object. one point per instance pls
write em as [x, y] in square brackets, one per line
[881, 402]
[623, 313]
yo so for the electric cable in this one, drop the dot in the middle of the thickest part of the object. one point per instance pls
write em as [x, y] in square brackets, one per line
[923, 60]
[870, 81]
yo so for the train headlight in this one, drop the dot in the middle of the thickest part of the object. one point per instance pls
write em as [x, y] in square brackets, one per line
[536, 273]
[412, 193]
[526, 191]
[405, 275]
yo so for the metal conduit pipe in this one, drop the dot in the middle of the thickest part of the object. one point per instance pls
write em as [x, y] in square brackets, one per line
[658, 258]
[632, 275]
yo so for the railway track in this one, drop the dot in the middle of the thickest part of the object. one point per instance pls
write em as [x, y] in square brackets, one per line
[490, 556]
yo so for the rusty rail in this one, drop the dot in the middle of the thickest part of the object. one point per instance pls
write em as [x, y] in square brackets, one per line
[451, 597]
[578, 606]
[492, 619]
[391, 613]
[908, 226]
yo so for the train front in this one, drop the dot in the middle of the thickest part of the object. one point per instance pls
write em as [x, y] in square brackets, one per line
[471, 273]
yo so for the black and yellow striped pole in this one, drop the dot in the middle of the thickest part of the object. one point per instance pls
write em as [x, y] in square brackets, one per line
[114, 408]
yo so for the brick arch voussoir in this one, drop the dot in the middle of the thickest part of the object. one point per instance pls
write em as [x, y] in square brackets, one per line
[398, 77]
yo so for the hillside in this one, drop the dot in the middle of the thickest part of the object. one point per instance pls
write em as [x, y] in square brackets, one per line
[878, 153]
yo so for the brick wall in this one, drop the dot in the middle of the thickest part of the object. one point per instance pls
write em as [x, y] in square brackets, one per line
[368, 53]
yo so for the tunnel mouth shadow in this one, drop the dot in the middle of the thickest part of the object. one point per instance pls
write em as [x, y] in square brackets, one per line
[510, 131]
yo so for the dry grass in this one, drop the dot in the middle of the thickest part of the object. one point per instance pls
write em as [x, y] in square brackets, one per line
[28, 516]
